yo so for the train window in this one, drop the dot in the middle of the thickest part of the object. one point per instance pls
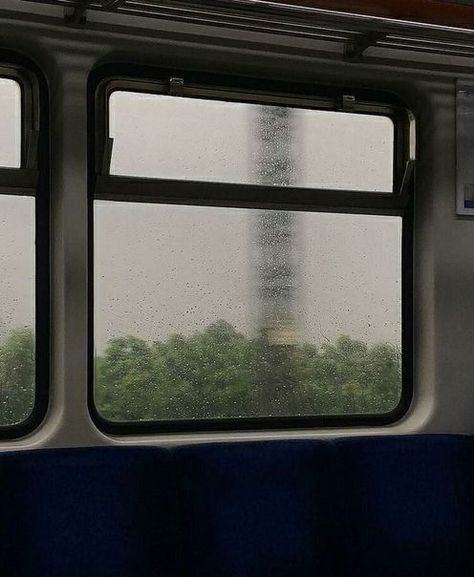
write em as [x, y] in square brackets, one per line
[21, 401]
[10, 123]
[162, 136]
[246, 273]
[17, 312]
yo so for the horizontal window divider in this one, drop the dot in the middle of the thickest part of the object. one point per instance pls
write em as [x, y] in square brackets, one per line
[162, 191]
[18, 181]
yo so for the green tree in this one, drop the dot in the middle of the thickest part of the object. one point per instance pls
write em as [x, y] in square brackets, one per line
[124, 380]
[17, 376]
[205, 375]
[202, 376]
[214, 374]
[350, 377]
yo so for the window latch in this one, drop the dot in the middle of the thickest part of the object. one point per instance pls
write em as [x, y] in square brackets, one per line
[176, 86]
[347, 102]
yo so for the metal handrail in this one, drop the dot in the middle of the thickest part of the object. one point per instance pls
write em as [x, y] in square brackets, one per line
[356, 31]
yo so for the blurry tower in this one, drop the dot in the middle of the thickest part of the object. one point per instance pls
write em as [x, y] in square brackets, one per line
[275, 264]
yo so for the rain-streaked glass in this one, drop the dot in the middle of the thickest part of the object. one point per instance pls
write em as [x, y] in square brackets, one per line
[17, 308]
[205, 312]
[158, 136]
[10, 123]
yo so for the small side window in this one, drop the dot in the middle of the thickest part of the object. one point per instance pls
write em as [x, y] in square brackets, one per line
[10, 123]
[21, 248]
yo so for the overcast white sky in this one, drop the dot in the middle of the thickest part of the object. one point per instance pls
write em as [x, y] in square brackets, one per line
[166, 269]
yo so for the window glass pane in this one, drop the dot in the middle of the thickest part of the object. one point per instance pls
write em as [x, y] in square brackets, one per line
[17, 308]
[209, 140]
[10, 123]
[225, 312]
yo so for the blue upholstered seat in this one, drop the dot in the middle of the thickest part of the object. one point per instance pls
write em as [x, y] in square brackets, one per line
[378, 506]
[257, 509]
[409, 505]
[98, 512]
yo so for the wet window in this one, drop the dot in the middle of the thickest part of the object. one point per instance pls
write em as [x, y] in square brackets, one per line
[17, 308]
[10, 123]
[158, 136]
[205, 313]
[216, 310]
[17, 262]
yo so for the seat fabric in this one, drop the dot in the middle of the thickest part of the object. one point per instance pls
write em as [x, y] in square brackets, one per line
[262, 509]
[94, 512]
[392, 506]
[409, 505]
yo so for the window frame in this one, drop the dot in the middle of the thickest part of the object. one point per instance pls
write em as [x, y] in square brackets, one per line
[32, 179]
[103, 186]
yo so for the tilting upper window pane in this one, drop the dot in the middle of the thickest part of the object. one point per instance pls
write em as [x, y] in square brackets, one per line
[10, 123]
[205, 312]
[17, 308]
[159, 136]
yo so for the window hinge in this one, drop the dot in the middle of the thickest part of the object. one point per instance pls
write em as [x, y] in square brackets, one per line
[407, 178]
[107, 158]
[32, 149]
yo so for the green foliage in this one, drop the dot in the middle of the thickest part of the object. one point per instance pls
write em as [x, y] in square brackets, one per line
[221, 373]
[17, 376]
[201, 376]
[217, 373]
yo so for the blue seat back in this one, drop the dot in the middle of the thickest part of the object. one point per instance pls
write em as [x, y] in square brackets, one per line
[257, 509]
[391, 506]
[98, 512]
[409, 506]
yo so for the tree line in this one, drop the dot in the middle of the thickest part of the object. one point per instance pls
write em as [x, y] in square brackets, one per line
[217, 373]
